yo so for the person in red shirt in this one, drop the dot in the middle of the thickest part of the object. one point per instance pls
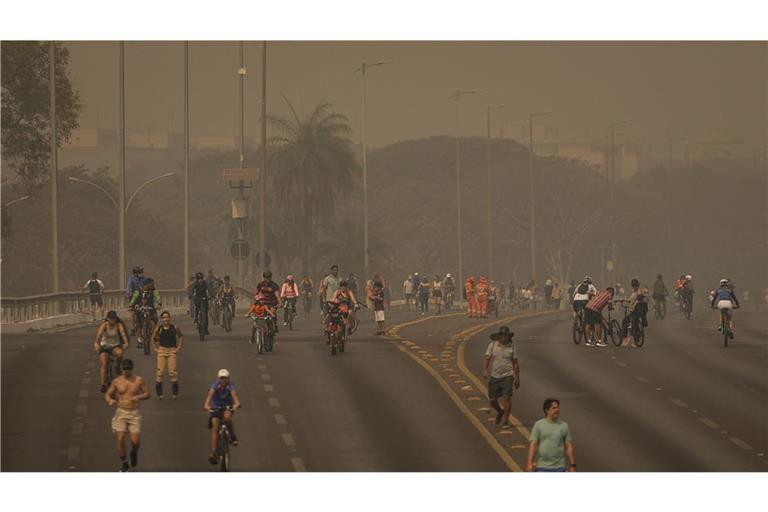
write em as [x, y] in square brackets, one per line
[593, 316]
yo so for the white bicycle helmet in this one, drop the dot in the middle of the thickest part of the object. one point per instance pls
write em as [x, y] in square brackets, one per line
[223, 373]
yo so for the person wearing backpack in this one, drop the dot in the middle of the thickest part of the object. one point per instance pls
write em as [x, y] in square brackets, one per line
[584, 292]
[95, 290]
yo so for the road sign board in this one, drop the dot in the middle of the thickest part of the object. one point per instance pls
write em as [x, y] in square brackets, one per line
[240, 249]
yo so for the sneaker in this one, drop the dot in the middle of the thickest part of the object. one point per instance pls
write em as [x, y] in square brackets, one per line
[124, 467]
[212, 459]
[235, 440]
[730, 334]
[134, 458]
[285, 324]
[601, 343]
[498, 417]
[719, 327]
[588, 344]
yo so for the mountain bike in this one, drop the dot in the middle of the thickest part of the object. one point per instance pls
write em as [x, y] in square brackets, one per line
[578, 326]
[201, 320]
[262, 334]
[214, 312]
[228, 307]
[635, 327]
[113, 369]
[290, 313]
[225, 438]
[612, 327]
[686, 304]
[448, 299]
[144, 314]
[493, 307]
[724, 327]
[660, 307]
[306, 299]
[335, 329]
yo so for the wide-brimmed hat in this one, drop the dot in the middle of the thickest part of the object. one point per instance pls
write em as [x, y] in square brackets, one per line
[503, 331]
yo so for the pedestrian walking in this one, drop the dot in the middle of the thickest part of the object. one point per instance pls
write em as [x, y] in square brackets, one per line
[502, 370]
[376, 296]
[424, 292]
[128, 390]
[551, 448]
[167, 341]
[408, 291]
[557, 295]
[95, 290]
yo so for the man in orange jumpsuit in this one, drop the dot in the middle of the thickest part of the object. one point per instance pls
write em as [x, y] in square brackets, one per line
[469, 291]
[482, 297]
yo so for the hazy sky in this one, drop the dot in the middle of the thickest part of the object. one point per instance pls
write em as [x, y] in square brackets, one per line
[667, 89]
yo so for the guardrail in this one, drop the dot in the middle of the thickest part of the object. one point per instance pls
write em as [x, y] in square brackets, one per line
[38, 307]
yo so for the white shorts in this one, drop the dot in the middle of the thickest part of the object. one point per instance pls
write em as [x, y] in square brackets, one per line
[379, 315]
[725, 304]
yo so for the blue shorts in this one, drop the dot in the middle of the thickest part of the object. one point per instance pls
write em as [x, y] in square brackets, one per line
[549, 470]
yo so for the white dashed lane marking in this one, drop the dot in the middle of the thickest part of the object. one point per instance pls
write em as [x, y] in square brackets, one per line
[80, 409]
[269, 388]
[708, 422]
[280, 419]
[274, 402]
[83, 393]
[77, 428]
[678, 402]
[266, 376]
[641, 378]
[73, 454]
[738, 442]
[262, 367]
[288, 439]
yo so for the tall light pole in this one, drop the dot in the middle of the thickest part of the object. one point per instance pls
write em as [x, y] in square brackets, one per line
[457, 97]
[363, 69]
[240, 223]
[263, 182]
[612, 163]
[121, 168]
[186, 165]
[54, 173]
[490, 192]
[530, 179]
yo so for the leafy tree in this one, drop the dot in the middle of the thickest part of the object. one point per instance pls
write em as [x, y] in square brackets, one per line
[26, 107]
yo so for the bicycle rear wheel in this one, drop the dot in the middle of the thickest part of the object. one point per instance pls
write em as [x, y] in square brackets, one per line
[577, 331]
[259, 341]
[224, 448]
[638, 333]
[201, 324]
[147, 334]
[227, 318]
[614, 331]
[726, 334]
[332, 342]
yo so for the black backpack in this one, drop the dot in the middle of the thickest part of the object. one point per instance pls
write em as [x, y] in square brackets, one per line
[583, 288]
[93, 287]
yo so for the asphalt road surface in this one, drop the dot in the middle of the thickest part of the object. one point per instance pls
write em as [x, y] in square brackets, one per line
[411, 401]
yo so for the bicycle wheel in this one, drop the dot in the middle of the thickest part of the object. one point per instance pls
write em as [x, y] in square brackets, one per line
[224, 447]
[227, 318]
[332, 342]
[259, 341]
[201, 324]
[147, 334]
[290, 319]
[270, 340]
[578, 331]
[726, 333]
[614, 331]
[110, 371]
[342, 338]
[638, 334]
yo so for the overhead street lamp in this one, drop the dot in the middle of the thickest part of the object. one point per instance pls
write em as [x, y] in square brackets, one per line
[457, 96]
[121, 214]
[490, 194]
[363, 69]
[532, 219]
[612, 177]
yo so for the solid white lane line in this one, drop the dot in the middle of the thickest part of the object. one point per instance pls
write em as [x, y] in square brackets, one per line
[708, 422]
[738, 442]
[298, 464]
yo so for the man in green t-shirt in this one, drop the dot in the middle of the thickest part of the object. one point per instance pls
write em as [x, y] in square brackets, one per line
[551, 442]
[328, 287]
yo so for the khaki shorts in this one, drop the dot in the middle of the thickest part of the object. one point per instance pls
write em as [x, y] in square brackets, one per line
[379, 315]
[127, 420]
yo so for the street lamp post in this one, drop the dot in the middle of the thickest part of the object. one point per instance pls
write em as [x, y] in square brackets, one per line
[612, 162]
[457, 97]
[530, 176]
[121, 210]
[121, 167]
[490, 194]
[54, 173]
[186, 165]
[263, 182]
[363, 69]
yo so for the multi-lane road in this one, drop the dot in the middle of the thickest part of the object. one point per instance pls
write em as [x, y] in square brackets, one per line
[410, 401]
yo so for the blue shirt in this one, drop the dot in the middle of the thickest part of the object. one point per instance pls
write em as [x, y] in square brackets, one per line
[134, 283]
[222, 397]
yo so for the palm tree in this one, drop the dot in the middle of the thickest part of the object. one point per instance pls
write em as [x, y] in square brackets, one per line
[314, 165]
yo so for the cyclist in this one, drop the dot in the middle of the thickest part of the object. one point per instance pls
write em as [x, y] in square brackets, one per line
[289, 293]
[214, 285]
[593, 316]
[449, 285]
[346, 300]
[268, 292]
[583, 293]
[149, 297]
[222, 394]
[306, 287]
[95, 289]
[679, 290]
[725, 300]
[201, 298]
[227, 295]
[135, 282]
[328, 287]
[660, 293]
[110, 338]
[638, 307]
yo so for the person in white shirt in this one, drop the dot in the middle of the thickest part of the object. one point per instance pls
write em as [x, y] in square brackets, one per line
[95, 291]
[408, 291]
[585, 291]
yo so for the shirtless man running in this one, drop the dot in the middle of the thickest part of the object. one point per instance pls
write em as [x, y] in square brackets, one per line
[129, 389]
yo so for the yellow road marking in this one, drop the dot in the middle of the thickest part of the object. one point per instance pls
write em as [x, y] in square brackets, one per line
[500, 451]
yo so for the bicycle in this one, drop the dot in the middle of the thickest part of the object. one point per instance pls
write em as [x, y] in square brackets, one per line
[290, 313]
[201, 320]
[336, 329]
[144, 327]
[228, 303]
[113, 369]
[448, 299]
[686, 304]
[262, 334]
[725, 327]
[634, 327]
[660, 307]
[578, 326]
[214, 312]
[612, 327]
[225, 438]
[307, 302]
[493, 307]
